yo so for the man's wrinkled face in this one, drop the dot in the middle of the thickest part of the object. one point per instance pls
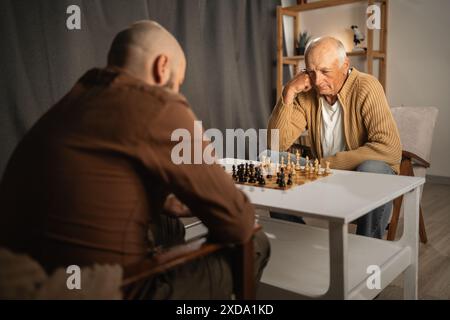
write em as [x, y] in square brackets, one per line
[325, 70]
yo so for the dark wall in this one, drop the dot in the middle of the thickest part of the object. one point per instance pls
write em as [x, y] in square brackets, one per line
[230, 47]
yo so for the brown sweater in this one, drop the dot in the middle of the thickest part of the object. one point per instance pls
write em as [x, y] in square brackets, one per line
[89, 179]
[369, 128]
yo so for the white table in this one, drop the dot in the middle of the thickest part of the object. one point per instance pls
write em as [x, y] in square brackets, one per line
[332, 264]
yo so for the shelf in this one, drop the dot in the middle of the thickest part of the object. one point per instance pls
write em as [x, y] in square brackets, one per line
[293, 60]
[300, 260]
[320, 5]
[370, 55]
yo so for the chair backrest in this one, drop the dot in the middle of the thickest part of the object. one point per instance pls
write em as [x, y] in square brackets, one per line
[416, 127]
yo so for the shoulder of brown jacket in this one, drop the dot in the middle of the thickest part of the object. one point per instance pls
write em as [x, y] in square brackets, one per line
[116, 77]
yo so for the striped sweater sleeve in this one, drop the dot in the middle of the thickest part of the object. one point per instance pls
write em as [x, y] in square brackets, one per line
[290, 120]
[383, 140]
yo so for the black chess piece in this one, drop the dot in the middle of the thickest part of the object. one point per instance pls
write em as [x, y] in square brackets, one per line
[282, 182]
[289, 182]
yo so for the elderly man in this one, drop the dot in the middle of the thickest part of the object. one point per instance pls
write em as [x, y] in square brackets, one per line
[89, 182]
[347, 116]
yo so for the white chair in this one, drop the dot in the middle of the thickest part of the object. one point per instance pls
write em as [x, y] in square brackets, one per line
[416, 127]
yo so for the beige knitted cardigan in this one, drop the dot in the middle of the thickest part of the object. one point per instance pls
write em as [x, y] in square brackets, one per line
[369, 127]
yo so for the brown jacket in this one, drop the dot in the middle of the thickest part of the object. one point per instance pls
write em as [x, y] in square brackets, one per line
[90, 177]
[369, 127]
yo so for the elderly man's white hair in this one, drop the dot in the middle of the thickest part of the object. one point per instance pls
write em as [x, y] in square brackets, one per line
[340, 49]
[143, 41]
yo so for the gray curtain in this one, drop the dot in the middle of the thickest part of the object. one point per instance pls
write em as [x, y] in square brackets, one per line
[230, 47]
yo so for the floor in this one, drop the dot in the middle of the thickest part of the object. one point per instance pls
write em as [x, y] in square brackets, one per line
[434, 257]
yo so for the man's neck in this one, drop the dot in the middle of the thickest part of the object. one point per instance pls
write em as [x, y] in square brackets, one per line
[331, 99]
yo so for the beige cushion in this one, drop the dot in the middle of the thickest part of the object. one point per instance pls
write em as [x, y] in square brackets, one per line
[21, 277]
[416, 126]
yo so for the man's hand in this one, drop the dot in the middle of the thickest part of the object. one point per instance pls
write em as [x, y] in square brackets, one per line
[300, 83]
[174, 207]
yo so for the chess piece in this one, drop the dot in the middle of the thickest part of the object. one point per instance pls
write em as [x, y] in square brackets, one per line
[316, 166]
[327, 169]
[261, 181]
[263, 160]
[282, 182]
[269, 173]
[282, 162]
[307, 165]
[321, 171]
[289, 182]
[297, 157]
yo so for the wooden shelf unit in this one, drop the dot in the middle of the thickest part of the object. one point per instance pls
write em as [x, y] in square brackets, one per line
[370, 54]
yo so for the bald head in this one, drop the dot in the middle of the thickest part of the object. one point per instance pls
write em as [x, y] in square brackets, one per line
[327, 65]
[149, 52]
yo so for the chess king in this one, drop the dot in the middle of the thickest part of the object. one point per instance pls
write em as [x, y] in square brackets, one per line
[347, 117]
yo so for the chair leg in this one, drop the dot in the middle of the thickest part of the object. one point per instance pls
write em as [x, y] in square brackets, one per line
[422, 231]
[244, 278]
[407, 170]
[394, 219]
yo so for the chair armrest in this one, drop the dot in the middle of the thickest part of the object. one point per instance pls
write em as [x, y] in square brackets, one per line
[416, 158]
[168, 259]
[185, 253]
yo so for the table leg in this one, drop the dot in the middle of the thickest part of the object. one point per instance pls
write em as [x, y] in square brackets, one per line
[338, 238]
[411, 238]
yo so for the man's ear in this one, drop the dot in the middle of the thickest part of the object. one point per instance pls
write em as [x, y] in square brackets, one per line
[161, 71]
[346, 65]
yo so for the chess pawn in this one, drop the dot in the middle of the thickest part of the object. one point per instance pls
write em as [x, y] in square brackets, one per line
[263, 160]
[289, 182]
[307, 165]
[269, 172]
[316, 166]
[293, 172]
[327, 169]
[321, 171]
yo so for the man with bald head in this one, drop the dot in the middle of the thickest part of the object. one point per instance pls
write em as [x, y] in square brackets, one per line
[347, 117]
[93, 180]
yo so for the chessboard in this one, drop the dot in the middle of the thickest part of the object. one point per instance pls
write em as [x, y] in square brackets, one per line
[278, 176]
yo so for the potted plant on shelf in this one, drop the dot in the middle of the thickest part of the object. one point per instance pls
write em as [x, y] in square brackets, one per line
[303, 40]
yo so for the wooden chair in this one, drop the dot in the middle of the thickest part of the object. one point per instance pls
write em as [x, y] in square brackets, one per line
[406, 169]
[416, 127]
[242, 266]
[21, 277]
